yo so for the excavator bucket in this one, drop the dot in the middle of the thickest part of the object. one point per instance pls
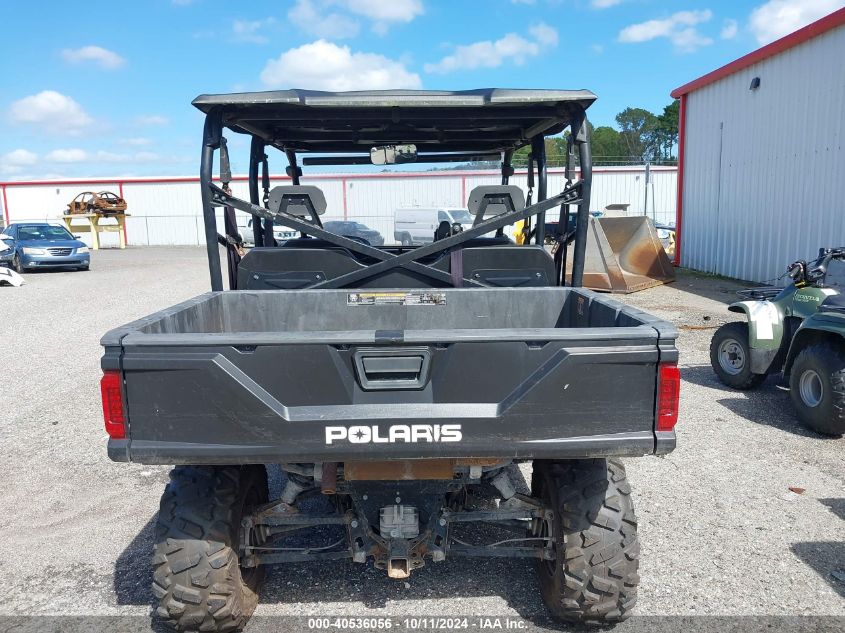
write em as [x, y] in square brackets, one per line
[624, 255]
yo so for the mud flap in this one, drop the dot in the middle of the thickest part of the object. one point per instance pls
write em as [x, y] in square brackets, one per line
[765, 332]
[624, 255]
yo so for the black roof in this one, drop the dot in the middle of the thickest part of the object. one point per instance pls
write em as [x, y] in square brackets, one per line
[484, 120]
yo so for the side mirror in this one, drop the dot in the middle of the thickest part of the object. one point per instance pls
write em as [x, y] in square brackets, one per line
[77, 237]
[393, 154]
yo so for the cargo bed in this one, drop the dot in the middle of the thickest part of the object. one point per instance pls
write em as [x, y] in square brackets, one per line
[281, 376]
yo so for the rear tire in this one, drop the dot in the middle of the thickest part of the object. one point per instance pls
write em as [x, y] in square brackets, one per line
[817, 387]
[594, 576]
[730, 357]
[197, 579]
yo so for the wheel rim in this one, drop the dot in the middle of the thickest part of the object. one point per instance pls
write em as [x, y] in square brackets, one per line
[255, 537]
[544, 528]
[547, 531]
[731, 356]
[811, 388]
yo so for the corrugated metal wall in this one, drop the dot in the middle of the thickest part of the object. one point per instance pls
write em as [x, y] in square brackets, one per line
[170, 213]
[764, 174]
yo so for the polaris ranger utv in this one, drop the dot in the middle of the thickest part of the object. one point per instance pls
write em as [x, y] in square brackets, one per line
[401, 382]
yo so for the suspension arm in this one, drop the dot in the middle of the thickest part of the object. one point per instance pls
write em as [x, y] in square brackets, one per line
[486, 551]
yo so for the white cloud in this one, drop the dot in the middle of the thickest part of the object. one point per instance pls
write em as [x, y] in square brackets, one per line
[598, 49]
[112, 157]
[137, 141]
[384, 11]
[103, 57]
[19, 157]
[488, 54]
[12, 163]
[52, 112]
[776, 18]
[146, 157]
[544, 34]
[306, 15]
[250, 30]
[74, 155]
[333, 19]
[678, 28]
[183, 3]
[322, 65]
[729, 29]
[152, 119]
[690, 40]
[604, 4]
[524, 1]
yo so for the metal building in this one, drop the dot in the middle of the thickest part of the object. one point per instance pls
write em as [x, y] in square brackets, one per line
[168, 211]
[762, 164]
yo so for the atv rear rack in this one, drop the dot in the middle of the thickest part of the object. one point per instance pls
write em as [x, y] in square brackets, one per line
[762, 293]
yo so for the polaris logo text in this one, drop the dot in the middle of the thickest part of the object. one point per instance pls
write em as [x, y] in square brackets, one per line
[405, 433]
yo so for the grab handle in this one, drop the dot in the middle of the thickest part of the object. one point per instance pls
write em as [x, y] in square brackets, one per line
[393, 368]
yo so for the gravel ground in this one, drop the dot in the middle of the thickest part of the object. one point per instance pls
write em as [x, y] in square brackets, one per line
[722, 534]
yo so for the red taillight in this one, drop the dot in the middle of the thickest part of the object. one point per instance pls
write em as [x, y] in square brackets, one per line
[668, 393]
[110, 387]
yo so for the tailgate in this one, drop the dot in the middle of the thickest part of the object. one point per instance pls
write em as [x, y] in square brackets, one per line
[331, 396]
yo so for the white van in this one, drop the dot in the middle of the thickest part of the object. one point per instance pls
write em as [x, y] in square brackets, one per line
[416, 225]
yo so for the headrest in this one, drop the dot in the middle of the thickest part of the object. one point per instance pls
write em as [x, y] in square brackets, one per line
[296, 200]
[488, 201]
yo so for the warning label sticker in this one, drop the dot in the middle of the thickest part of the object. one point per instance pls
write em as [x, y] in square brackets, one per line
[396, 298]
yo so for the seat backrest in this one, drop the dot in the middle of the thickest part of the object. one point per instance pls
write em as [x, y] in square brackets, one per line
[488, 201]
[509, 266]
[305, 201]
[289, 268]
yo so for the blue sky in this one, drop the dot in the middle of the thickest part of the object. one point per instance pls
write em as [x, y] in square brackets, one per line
[103, 88]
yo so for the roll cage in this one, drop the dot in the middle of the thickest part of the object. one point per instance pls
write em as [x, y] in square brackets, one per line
[341, 128]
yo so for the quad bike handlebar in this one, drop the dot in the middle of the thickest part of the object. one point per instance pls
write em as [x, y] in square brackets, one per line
[797, 271]
[802, 272]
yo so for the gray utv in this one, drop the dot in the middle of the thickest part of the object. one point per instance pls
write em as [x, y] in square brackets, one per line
[402, 383]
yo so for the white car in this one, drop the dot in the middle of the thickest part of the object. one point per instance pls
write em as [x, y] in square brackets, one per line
[416, 225]
[281, 233]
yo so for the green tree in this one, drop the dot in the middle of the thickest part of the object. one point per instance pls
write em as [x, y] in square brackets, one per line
[642, 136]
[555, 153]
[667, 130]
[638, 133]
[607, 145]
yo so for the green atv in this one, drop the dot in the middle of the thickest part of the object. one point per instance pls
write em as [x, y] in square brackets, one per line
[798, 331]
